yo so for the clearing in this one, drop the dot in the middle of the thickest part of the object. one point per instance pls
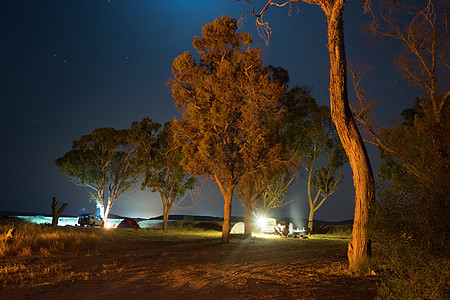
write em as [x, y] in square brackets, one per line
[150, 264]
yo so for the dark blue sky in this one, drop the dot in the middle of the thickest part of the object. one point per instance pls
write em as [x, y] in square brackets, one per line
[69, 67]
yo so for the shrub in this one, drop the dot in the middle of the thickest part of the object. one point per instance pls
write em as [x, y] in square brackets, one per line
[209, 226]
[341, 230]
[409, 227]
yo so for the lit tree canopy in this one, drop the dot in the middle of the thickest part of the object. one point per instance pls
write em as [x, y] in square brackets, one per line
[104, 161]
[228, 104]
[165, 173]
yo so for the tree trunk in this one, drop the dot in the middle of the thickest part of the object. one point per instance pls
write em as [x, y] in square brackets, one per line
[349, 134]
[227, 196]
[165, 218]
[56, 213]
[310, 219]
[165, 205]
[247, 216]
[107, 210]
[166, 209]
[311, 204]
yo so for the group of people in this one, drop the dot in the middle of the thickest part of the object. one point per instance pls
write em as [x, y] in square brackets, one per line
[289, 231]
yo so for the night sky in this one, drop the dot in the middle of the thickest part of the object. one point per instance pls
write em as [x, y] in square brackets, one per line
[69, 67]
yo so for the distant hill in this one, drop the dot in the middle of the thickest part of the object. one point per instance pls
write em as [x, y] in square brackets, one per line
[302, 222]
[198, 218]
[28, 214]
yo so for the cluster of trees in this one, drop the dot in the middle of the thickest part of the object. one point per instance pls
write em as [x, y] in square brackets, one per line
[241, 127]
[342, 117]
[415, 151]
[311, 137]
[410, 221]
[110, 162]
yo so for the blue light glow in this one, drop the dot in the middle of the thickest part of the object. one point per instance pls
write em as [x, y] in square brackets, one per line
[73, 221]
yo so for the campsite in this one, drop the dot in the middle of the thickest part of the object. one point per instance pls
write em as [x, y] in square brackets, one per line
[177, 263]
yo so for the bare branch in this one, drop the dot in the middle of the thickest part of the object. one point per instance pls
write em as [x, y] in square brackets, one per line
[262, 26]
[361, 117]
[425, 37]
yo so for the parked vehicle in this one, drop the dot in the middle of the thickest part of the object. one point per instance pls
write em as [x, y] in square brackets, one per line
[90, 220]
[267, 225]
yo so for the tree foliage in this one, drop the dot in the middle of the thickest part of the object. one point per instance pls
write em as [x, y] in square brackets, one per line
[259, 185]
[421, 28]
[164, 173]
[311, 137]
[105, 162]
[228, 104]
[410, 221]
[343, 119]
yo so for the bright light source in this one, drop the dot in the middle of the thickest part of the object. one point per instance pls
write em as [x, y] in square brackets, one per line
[262, 222]
[266, 236]
[112, 223]
[267, 225]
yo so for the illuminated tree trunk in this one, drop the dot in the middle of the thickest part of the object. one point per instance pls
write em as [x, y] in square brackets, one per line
[250, 197]
[167, 207]
[165, 213]
[227, 196]
[349, 134]
[312, 208]
[310, 219]
[247, 216]
[227, 193]
[104, 211]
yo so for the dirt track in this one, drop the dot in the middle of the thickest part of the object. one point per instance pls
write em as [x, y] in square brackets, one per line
[198, 269]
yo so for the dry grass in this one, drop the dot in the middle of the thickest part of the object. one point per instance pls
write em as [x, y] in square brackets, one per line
[170, 263]
[31, 239]
[23, 274]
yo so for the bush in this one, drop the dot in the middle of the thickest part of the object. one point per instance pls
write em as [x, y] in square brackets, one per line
[409, 227]
[8, 222]
[413, 273]
[341, 230]
[209, 226]
[410, 223]
[338, 230]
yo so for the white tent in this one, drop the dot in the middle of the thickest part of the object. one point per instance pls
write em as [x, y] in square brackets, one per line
[238, 228]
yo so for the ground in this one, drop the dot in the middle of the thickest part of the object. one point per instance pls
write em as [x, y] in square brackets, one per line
[195, 268]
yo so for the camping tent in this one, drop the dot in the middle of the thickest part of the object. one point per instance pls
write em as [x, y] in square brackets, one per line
[238, 228]
[128, 223]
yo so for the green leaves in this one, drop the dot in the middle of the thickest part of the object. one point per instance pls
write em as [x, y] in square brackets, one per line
[310, 136]
[106, 162]
[165, 173]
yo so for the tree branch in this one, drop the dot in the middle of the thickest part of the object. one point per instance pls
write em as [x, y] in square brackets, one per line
[366, 126]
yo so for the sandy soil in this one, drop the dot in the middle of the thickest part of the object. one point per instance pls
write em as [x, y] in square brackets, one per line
[196, 269]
